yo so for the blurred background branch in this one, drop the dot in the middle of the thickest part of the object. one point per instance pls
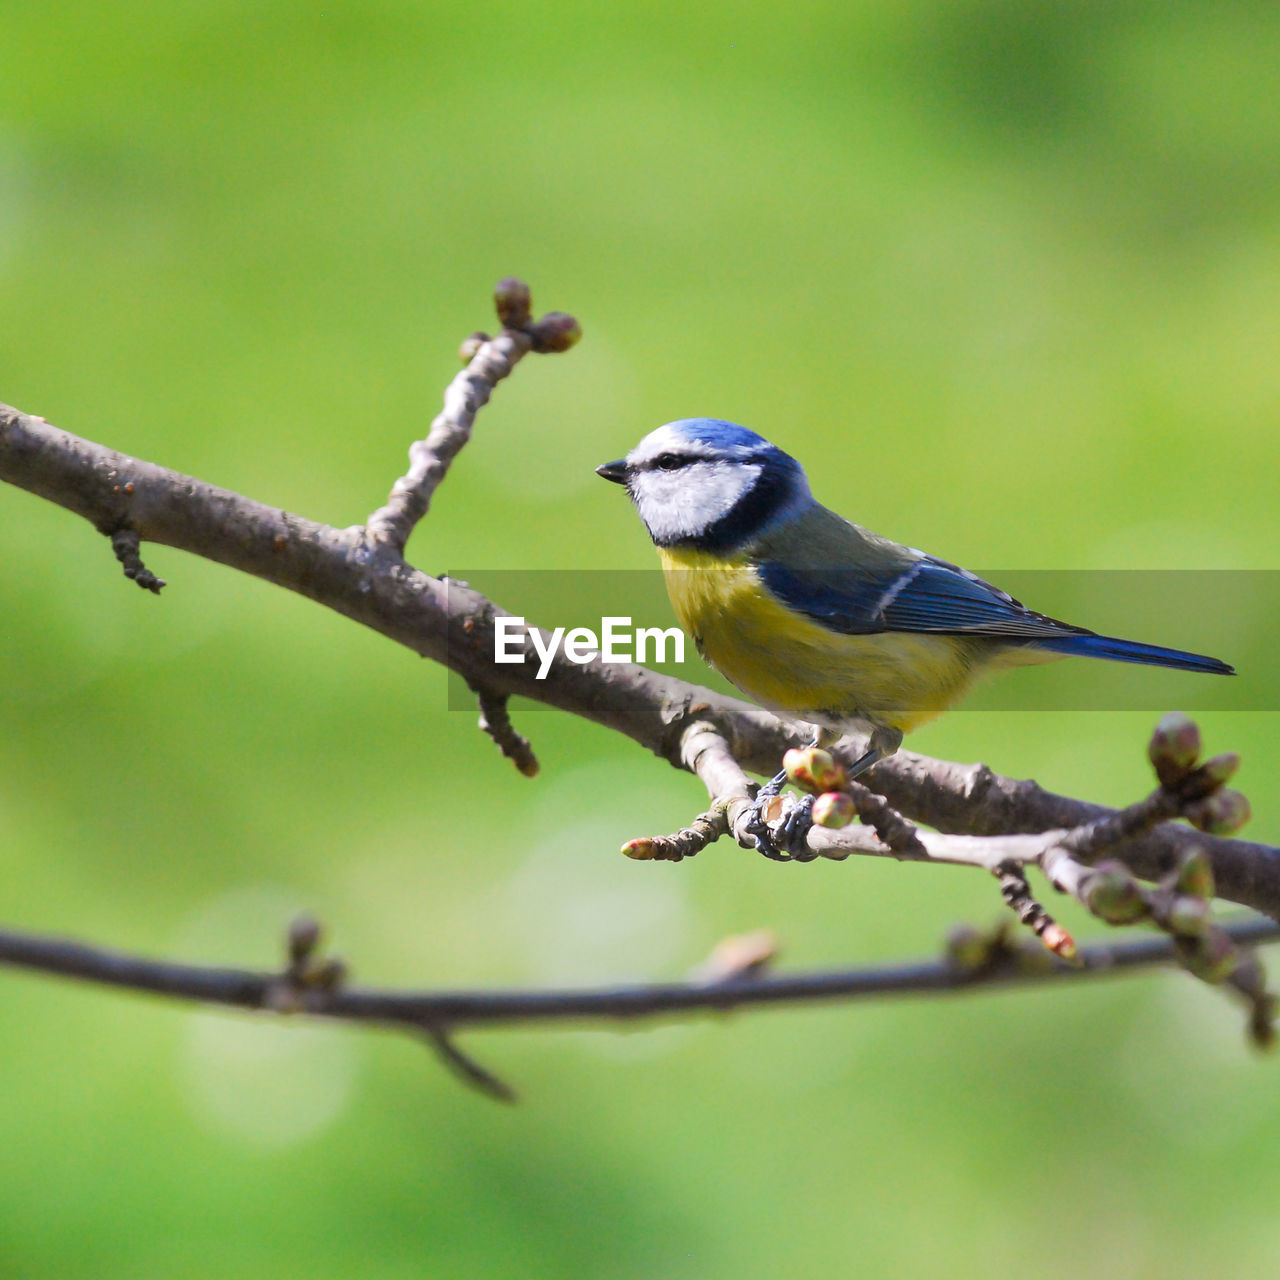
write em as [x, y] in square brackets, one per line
[307, 986]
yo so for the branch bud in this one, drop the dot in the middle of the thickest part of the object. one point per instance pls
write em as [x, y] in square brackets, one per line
[814, 770]
[514, 302]
[1195, 875]
[303, 939]
[1212, 957]
[834, 809]
[642, 849]
[1221, 768]
[743, 955]
[1174, 747]
[1207, 779]
[555, 332]
[1221, 814]
[1059, 941]
[1188, 917]
[1113, 895]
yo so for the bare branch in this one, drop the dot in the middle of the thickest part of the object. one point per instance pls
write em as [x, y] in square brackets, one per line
[894, 831]
[454, 625]
[126, 545]
[429, 459]
[466, 1068]
[495, 720]
[971, 799]
[488, 361]
[422, 1011]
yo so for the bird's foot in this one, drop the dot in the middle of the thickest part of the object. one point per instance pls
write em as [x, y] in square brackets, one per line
[795, 828]
[757, 826]
[790, 843]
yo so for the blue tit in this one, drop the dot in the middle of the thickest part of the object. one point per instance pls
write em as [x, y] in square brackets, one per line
[817, 618]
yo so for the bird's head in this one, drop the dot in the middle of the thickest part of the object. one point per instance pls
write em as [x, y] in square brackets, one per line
[709, 485]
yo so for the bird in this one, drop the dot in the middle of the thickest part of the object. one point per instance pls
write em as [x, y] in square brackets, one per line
[818, 619]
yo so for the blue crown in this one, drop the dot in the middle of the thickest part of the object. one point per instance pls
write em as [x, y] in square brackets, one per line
[718, 434]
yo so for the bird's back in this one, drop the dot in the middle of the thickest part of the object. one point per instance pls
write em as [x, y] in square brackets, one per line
[792, 662]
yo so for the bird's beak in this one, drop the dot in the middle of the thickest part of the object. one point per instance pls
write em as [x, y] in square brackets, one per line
[615, 471]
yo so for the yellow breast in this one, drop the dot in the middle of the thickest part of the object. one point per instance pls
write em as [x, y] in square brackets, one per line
[801, 669]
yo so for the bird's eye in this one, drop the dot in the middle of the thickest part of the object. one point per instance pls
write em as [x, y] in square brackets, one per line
[667, 462]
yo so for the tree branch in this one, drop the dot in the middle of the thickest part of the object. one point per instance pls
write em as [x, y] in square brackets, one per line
[488, 361]
[972, 800]
[419, 1010]
[982, 820]
[454, 625]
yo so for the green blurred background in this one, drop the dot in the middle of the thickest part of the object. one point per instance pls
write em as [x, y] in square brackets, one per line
[1005, 275]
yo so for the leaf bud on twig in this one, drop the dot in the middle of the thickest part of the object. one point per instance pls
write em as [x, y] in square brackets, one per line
[1221, 814]
[814, 770]
[1113, 895]
[1174, 747]
[834, 809]
[514, 302]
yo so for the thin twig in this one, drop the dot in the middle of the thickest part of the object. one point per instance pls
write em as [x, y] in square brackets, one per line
[127, 547]
[495, 720]
[973, 801]
[466, 1068]
[429, 459]
[1016, 891]
[488, 362]
[897, 834]
[704, 830]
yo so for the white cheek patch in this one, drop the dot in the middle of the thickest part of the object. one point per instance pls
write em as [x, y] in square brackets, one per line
[683, 503]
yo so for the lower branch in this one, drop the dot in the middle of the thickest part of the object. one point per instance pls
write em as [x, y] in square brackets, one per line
[432, 1010]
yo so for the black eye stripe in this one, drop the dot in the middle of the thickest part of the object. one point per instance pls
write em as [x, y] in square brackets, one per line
[670, 462]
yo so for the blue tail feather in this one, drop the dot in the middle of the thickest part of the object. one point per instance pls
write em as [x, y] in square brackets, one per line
[1091, 646]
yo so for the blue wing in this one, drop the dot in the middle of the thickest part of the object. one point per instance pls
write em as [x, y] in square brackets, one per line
[930, 595]
[926, 595]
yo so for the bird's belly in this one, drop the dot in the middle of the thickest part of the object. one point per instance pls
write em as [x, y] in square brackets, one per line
[799, 668]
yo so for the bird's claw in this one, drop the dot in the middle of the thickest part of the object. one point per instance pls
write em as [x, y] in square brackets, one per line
[790, 844]
[758, 828]
[756, 825]
[795, 829]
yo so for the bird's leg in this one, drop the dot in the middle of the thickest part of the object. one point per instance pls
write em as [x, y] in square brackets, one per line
[882, 744]
[756, 825]
[793, 833]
